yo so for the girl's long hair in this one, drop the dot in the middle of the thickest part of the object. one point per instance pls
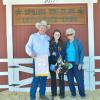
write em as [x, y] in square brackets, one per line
[53, 40]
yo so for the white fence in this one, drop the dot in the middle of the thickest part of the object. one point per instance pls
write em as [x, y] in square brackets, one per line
[15, 84]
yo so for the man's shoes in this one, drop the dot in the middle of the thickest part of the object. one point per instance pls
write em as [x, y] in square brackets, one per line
[84, 97]
[73, 96]
[43, 98]
[32, 99]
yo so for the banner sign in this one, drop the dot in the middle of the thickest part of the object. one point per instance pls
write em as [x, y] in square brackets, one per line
[29, 15]
[41, 66]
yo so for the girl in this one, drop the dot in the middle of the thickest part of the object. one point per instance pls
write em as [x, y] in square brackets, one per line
[55, 52]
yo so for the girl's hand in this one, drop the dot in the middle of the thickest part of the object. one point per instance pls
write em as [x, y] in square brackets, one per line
[79, 67]
[53, 53]
[57, 71]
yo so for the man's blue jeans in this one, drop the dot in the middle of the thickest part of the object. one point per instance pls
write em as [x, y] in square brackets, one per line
[74, 72]
[38, 81]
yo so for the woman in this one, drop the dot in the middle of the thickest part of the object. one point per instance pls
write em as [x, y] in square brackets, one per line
[55, 53]
[74, 54]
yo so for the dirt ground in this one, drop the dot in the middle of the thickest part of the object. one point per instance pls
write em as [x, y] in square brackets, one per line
[91, 95]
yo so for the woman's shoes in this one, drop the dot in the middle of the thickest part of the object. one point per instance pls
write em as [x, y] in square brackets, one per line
[43, 98]
[62, 97]
[55, 98]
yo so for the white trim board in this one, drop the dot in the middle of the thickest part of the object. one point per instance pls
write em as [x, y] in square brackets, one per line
[97, 70]
[91, 45]
[29, 60]
[4, 60]
[19, 2]
[97, 83]
[48, 89]
[4, 86]
[97, 57]
[3, 73]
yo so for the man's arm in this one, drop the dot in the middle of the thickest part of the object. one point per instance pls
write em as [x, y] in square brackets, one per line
[29, 47]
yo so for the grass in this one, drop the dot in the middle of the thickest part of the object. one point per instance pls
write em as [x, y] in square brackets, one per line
[91, 95]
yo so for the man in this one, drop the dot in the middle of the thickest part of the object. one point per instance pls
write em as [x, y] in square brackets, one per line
[73, 52]
[38, 45]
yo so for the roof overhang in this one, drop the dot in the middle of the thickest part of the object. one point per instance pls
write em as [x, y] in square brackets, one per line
[21, 2]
